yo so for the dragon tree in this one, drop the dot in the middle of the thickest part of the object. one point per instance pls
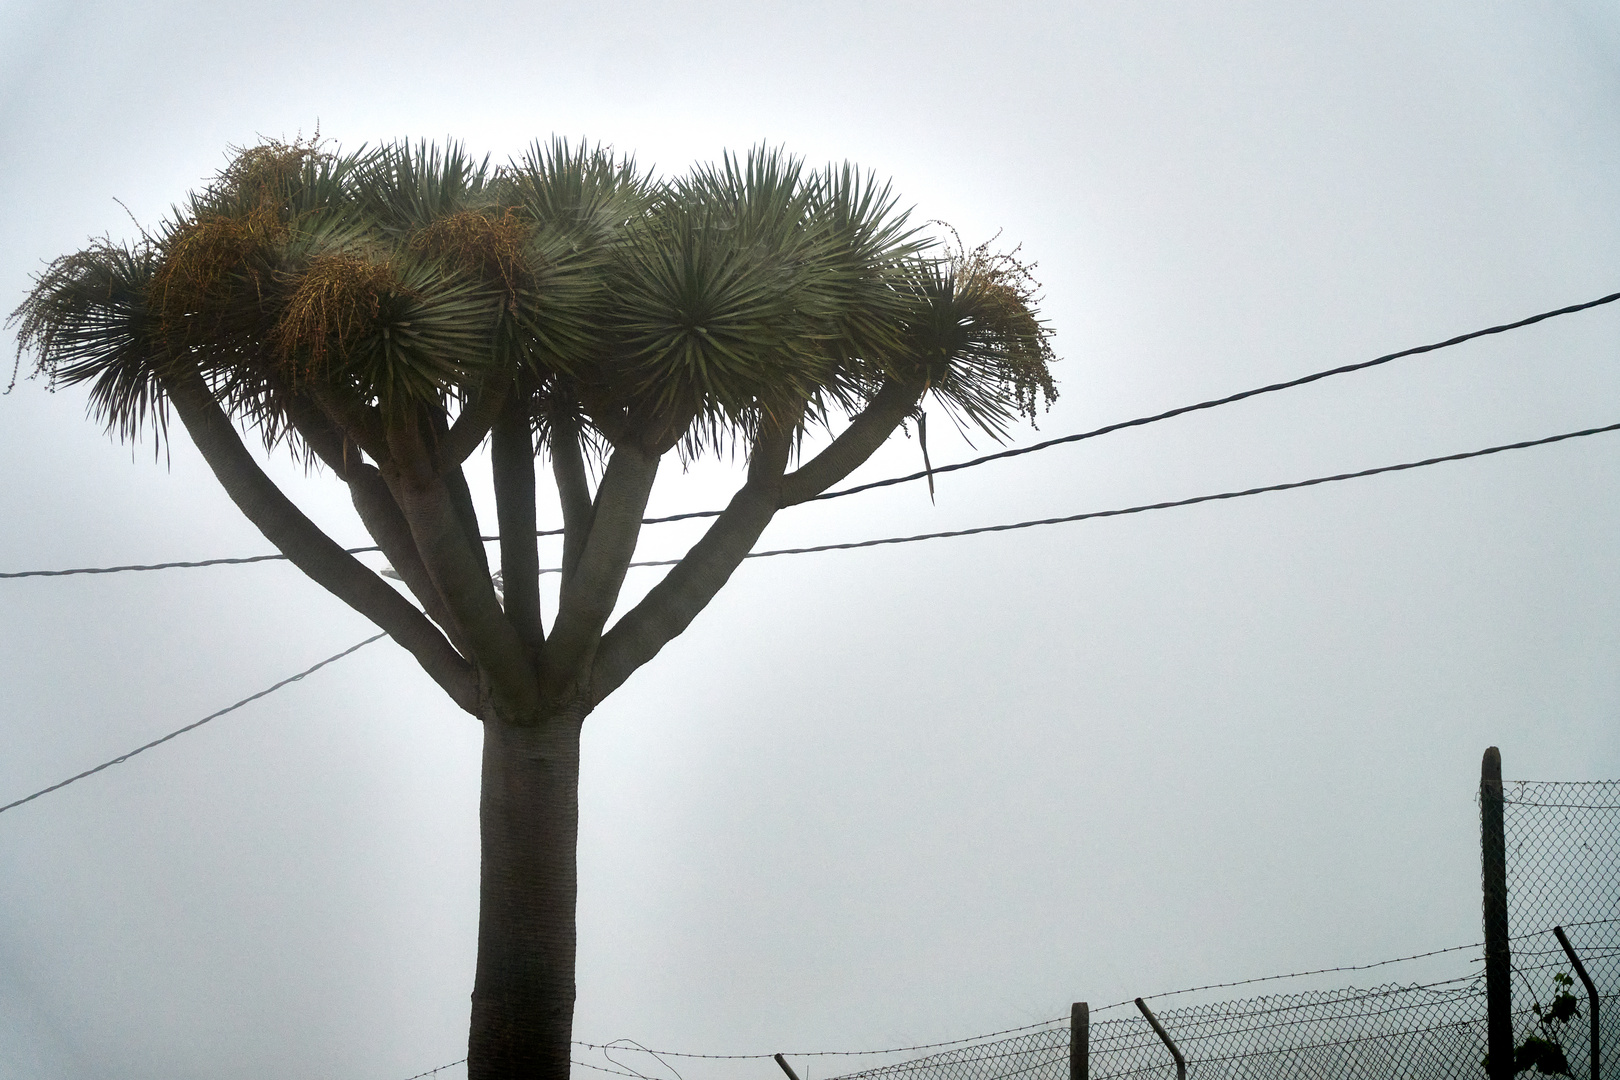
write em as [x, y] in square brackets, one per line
[382, 315]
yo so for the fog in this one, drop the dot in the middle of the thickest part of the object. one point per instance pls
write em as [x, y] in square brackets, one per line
[880, 797]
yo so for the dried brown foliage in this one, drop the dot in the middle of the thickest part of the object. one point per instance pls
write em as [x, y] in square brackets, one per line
[1007, 290]
[205, 261]
[338, 300]
[486, 246]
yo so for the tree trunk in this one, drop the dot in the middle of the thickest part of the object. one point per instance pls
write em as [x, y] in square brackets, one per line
[523, 993]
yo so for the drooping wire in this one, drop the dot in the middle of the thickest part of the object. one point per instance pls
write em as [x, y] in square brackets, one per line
[1140, 421]
[1299, 975]
[883, 541]
[194, 725]
[618, 1043]
[834, 1053]
[1173, 503]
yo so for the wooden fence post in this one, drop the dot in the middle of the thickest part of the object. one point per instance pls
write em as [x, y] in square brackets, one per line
[1079, 1041]
[1498, 957]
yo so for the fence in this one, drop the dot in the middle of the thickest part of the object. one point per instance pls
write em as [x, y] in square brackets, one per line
[1560, 843]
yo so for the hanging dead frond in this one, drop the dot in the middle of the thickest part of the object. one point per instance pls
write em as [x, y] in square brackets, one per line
[1006, 294]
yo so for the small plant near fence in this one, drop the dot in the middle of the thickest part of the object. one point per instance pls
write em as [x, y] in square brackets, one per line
[1542, 1049]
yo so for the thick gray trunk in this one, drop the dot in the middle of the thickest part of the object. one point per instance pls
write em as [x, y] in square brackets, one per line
[523, 993]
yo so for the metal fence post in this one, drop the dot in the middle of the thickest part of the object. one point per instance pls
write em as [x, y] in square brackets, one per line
[1079, 1041]
[1498, 958]
[1591, 994]
[1164, 1037]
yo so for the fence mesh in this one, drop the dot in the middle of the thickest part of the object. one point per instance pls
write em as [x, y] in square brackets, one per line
[1385, 1031]
[1563, 869]
[1037, 1055]
[1563, 859]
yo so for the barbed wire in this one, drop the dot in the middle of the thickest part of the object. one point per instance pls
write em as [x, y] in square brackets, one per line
[1386, 990]
[605, 1069]
[453, 1064]
[1140, 421]
[836, 1053]
[1298, 975]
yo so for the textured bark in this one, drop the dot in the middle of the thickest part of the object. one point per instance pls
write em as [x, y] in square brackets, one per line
[523, 992]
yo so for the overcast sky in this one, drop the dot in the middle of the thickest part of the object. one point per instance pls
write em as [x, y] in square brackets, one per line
[888, 796]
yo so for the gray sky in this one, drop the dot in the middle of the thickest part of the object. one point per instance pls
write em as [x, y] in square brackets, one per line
[877, 797]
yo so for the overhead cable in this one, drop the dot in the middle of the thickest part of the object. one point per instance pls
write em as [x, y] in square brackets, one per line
[194, 725]
[1016, 452]
[1091, 515]
[1230, 398]
[1171, 504]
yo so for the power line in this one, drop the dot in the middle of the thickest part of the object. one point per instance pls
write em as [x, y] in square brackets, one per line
[884, 541]
[1172, 503]
[121, 758]
[1230, 398]
[1000, 455]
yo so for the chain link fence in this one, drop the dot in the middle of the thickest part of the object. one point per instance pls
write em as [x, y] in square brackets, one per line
[1384, 1031]
[1563, 869]
[1036, 1055]
[1563, 860]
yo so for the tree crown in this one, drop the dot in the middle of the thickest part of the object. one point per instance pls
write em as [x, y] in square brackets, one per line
[410, 277]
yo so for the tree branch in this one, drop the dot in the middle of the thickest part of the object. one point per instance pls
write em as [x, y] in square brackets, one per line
[512, 466]
[386, 523]
[475, 421]
[455, 482]
[359, 422]
[869, 430]
[461, 577]
[573, 490]
[591, 591]
[675, 601]
[318, 431]
[378, 511]
[311, 550]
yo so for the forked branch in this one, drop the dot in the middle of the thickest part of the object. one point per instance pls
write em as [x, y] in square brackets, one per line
[589, 594]
[311, 550]
[675, 601]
